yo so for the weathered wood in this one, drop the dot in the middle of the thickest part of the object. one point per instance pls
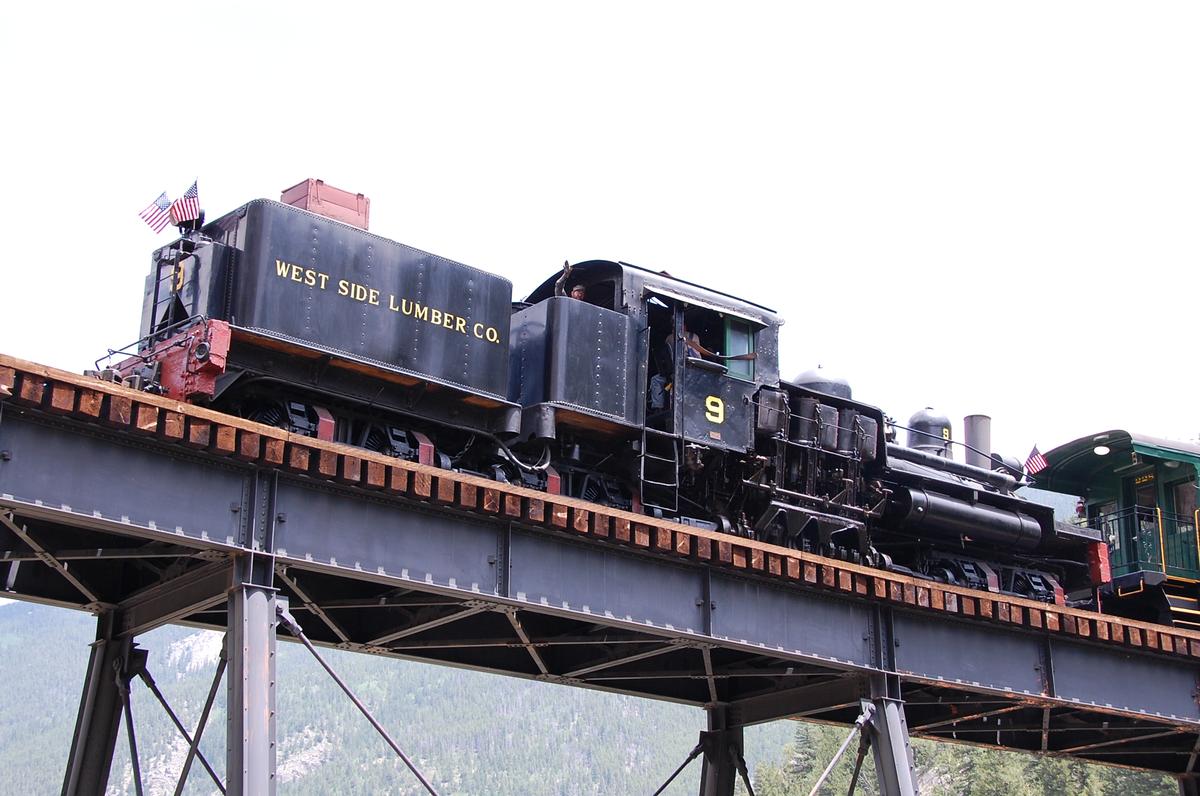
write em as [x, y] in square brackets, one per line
[199, 433]
[397, 480]
[422, 484]
[62, 398]
[8, 381]
[91, 404]
[350, 469]
[662, 538]
[174, 424]
[327, 464]
[225, 443]
[376, 475]
[298, 458]
[512, 505]
[249, 446]
[31, 391]
[120, 410]
[445, 490]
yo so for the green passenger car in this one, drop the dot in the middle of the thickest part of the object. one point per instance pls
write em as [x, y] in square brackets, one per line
[1141, 493]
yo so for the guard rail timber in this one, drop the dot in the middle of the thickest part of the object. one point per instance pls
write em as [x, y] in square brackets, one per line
[77, 399]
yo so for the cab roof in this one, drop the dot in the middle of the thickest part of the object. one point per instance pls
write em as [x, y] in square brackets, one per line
[642, 281]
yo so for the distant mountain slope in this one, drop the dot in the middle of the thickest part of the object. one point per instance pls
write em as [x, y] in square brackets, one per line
[471, 733]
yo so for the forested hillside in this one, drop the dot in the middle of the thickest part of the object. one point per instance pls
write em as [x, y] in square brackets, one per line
[471, 733]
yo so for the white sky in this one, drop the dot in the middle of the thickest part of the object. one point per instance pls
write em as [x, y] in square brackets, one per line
[982, 207]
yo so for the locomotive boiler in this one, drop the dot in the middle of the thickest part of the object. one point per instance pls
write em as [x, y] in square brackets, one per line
[650, 393]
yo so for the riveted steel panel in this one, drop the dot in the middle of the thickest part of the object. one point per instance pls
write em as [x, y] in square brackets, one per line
[965, 653]
[797, 621]
[1125, 680]
[308, 279]
[586, 578]
[114, 480]
[361, 533]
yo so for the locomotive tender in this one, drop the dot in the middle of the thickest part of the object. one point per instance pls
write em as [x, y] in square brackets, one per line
[295, 320]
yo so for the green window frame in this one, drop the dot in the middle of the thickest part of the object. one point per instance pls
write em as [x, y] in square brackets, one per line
[740, 338]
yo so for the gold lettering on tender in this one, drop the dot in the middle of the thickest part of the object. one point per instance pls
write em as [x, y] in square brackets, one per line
[374, 297]
[420, 313]
[324, 279]
[477, 330]
[435, 317]
[343, 287]
[460, 325]
[297, 273]
[492, 335]
[310, 277]
[392, 303]
[281, 268]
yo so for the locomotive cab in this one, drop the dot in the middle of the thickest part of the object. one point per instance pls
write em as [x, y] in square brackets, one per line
[573, 362]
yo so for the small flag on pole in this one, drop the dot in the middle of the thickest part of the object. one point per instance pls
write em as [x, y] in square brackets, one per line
[1036, 462]
[186, 207]
[158, 213]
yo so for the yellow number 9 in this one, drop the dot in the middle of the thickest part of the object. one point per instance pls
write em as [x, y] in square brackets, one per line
[179, 277]
[716, 409]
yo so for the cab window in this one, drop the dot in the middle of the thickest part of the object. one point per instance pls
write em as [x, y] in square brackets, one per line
[739, 339]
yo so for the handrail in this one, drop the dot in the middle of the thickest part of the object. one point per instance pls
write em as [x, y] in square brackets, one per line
[1162, 544]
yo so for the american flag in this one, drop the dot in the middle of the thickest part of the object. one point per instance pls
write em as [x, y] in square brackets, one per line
[1036, 462]
[158, 213]
[186, 207]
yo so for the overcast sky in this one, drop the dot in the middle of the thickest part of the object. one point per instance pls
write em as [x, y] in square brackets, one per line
[985, 208]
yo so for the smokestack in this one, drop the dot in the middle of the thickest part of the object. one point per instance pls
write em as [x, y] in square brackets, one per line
[978, 432]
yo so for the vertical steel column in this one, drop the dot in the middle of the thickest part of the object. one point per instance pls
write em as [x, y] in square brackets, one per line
[723, 748]
[99, 717]
[250, 724]
[889, 739]
[250, 646]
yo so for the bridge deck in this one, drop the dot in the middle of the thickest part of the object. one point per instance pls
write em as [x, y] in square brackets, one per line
[123, 502]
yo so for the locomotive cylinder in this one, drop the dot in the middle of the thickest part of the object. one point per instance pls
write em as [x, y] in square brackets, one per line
[941, 515]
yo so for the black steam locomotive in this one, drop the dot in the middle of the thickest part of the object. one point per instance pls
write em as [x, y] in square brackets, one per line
[648, 393]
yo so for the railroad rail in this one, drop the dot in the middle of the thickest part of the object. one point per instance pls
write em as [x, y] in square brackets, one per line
[584, 594]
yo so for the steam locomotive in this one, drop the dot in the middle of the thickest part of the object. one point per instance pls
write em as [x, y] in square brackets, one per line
[649, 393]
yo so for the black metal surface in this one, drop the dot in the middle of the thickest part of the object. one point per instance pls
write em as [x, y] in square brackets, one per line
[365, 572]
[715, 409]
[576, 355]
[304, 277]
